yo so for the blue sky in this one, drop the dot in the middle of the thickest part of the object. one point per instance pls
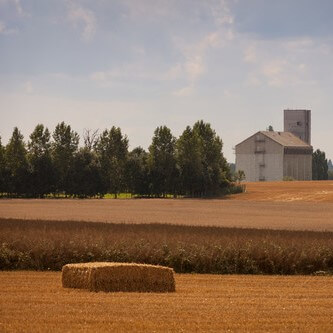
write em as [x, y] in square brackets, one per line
[139, 64]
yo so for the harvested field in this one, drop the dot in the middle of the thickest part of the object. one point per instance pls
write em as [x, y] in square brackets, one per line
[36, 302]
[276, 205]
[288, 191]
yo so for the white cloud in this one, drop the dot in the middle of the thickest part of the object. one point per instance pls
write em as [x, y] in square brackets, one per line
[82, 18]
[274, 68]
[5, 31]
[149, 10]
[186, 91]
[301, 44]
[99, 76]
[221, 12]
[175, 72]
[280, 72]
[253, 80]
[17, 5]
[189, 68]
[16, 9]
[128, 73]
[193, 65]
[283, 73]
[283, 63]
[301, 67]
[250, 55]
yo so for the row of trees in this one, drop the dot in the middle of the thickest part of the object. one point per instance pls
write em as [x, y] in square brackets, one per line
[192, 165]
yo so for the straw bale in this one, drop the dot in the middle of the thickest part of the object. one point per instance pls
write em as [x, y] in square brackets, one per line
[105, 276]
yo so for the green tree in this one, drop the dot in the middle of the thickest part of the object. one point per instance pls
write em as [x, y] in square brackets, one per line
[17, 164]
[137, 179]
[330, 165]
[90, 139]
[239, 176]
[319, 165]
[3, 170]
[215, 170]
[189, 162]
[64, 146]
[330, 170]
[112, 150]
[39, 156]
[84, 176]
[162, 162]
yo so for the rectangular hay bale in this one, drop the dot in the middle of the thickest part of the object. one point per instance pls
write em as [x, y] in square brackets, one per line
[106, 276]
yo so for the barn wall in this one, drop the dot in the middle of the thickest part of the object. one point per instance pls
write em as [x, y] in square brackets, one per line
[260, 158]
[298, 166]
[247, 163]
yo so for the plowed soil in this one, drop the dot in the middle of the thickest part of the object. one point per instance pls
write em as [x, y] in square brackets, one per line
[36, 302]
[276, 205]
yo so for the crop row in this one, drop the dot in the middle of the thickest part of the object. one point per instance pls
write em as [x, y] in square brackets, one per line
[48, 245]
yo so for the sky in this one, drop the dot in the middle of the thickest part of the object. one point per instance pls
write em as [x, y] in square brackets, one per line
[140, 64]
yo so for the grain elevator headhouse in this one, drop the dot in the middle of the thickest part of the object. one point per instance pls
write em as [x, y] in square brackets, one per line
[298, 122]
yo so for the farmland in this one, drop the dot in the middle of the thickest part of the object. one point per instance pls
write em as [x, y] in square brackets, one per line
[264, 205]
[273, 228]
[288, 191]
[36, 302]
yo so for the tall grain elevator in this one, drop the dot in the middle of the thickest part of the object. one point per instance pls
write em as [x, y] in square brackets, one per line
[298, 122]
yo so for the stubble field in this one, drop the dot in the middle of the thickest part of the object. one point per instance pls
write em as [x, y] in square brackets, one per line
[36, 302]
[274, 205]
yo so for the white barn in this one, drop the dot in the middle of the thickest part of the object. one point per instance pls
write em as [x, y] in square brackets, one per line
[269, 156]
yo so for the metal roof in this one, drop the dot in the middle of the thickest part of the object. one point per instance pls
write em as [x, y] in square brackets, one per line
[286, 139]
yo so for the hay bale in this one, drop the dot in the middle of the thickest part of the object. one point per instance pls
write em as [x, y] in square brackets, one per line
[105, 276]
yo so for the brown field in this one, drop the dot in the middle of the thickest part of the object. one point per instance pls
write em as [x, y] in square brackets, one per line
[277, 205]
[36, 302]
[288, 191]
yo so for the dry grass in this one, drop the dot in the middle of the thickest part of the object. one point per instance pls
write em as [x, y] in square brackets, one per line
[106, 276]
[275, 205]
[36, 302]
[48, 245]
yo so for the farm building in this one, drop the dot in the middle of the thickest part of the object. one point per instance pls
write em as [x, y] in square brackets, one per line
[269, 155]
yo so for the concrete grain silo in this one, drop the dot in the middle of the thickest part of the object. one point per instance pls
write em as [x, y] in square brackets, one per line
[298, 122]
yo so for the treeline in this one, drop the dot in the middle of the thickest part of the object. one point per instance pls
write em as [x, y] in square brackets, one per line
[55, 164]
